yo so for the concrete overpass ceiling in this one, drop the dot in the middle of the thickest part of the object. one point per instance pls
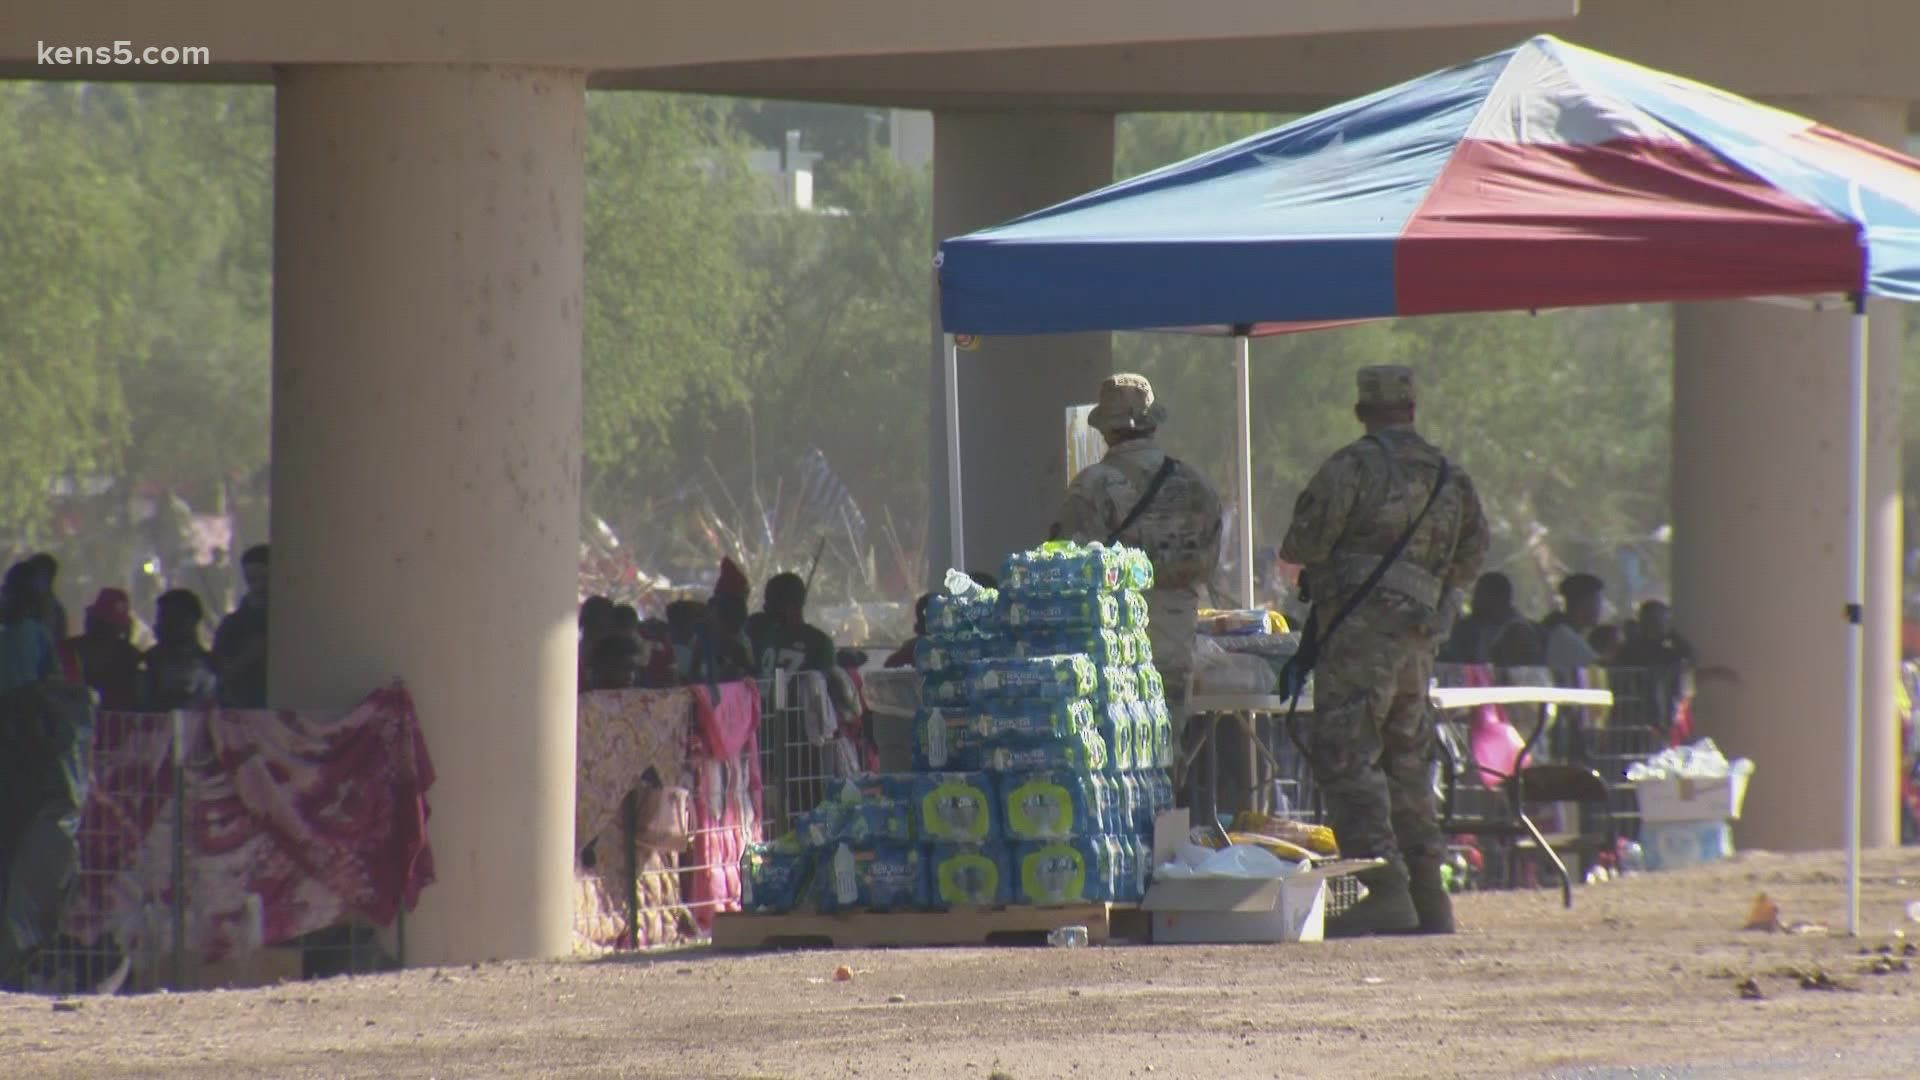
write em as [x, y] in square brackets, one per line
[245, 37]
[1762, 48]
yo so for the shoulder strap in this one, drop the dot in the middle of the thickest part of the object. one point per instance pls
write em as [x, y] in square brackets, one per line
[1393, 553]
[1293, 675]
[1146, 498]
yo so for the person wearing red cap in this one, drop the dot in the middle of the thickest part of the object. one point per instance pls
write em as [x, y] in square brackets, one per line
[108, 661]
[732, 582]
[720, 650]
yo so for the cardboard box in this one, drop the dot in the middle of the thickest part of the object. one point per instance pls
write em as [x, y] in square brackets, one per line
[1231, 911]
[1234, 911]
[1674, 845]
[1679, 799]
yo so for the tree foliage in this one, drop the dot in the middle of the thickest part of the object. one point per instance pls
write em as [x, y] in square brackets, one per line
[669, 294]
[727, 336]
[69, 251]
[137, 258]
[842, 338]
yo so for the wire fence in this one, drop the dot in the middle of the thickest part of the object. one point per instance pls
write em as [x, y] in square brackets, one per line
[796, 756]
[128, 924]
[644, 888]
[130, 908]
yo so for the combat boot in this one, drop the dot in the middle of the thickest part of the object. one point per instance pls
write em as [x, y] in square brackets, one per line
[1387, 909]
[1430, 896]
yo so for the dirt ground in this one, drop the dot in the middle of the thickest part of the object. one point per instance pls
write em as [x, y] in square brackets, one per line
[1639, 979]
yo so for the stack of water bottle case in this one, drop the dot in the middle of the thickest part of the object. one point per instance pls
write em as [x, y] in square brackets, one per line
[1041, 753]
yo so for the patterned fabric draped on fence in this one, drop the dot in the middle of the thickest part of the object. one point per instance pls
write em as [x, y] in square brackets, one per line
[295, 822]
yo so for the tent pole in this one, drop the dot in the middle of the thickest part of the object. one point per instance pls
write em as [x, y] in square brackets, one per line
[1856, 592]
[1243, 509]
[957, 533]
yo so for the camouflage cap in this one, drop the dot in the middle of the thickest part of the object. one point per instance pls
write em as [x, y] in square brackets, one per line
[1126, 404]
[1386, 386]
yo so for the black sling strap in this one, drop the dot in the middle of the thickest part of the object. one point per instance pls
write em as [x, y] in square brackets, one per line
[1146, 499]
[1293, 675]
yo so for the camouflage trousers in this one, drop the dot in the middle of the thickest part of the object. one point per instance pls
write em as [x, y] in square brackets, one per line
[1373, 743]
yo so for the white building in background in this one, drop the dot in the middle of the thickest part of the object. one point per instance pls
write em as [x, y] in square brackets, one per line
[910, 137]
[789, 170]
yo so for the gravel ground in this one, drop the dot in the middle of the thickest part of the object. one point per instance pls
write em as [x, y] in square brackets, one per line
[1640, 979]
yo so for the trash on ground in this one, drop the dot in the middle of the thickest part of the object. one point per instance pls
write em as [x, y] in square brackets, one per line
[1764, 916]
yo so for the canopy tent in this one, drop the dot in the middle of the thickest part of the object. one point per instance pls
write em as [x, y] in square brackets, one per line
[1544, 176]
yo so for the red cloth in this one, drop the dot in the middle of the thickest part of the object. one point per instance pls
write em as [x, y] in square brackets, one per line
[853, 723]
[295, 822]
[1682, 731]
[732, 582]
[732, 721]
[320, 817]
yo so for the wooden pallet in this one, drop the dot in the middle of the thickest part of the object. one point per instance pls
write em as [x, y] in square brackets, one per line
[914, 929]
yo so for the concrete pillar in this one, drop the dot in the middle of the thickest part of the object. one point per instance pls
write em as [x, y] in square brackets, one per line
[1761, 505]
[426, 456]
[1014, 391]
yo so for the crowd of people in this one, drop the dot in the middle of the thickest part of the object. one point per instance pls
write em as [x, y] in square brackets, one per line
[1572, 638]
[698, 642]
[129, 664]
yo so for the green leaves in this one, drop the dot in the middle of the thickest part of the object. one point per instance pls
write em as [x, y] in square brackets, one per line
[70, 249]
[134, 256]
[668, 294]
[725, 334]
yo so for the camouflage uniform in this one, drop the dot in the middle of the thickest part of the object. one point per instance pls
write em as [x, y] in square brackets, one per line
[1180, 530]
[1371, 735]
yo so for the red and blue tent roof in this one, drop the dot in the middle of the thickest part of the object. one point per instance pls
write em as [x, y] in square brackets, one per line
[1544, 176]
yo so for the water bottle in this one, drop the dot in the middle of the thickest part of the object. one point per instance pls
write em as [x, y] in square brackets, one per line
[1282, 805]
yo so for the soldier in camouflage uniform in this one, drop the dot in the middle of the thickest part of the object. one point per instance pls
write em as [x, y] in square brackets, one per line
[1179, 530]
[1371, 737]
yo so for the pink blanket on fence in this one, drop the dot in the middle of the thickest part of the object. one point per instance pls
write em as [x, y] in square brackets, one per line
[726, 795]
[295, 821]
